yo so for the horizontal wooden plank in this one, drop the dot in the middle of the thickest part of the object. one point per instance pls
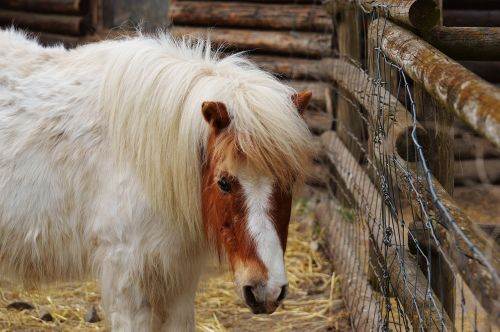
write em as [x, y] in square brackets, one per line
[63, 24]
[467, 43]
[294, 68]
[475, 171]
[46, 6]
[472, 147]
[247, 15]
[471, 18]
[468, 4]
[318, 122]
[307, 44]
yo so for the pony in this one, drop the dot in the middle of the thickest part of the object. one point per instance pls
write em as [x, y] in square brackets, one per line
[135, 160]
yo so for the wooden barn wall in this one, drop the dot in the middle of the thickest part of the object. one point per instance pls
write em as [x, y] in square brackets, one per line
[151, 14]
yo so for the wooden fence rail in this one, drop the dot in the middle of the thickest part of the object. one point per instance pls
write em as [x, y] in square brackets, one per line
[458, 90]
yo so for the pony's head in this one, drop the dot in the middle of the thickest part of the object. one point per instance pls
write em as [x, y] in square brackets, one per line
[244, 152]
[246, 202]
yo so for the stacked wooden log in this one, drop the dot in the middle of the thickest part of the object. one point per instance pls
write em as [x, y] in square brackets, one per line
[53, 21]
[477, 161]
[471, 35]
[466, 13]
[291, 39]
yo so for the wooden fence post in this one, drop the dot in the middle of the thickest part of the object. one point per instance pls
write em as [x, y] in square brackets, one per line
[439, 155]
[348, 120]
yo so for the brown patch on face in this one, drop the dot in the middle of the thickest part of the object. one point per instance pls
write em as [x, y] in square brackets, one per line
[281, 207]
[224, 213]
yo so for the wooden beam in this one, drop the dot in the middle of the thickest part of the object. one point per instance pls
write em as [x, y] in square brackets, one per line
[318, 122]
[319, 176]
[307, 44]
[471, 18]
[476, 102]
[477, 170]
[472, 147]
[466, 43]
[63, 24]
[246, 15]
[419, 14]
[468, 4]
[96, 15]
[349, 263]
[46, 6]
[408, 282]
[294, 68]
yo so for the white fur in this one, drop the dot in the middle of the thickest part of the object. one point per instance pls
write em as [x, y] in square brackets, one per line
[100, 163]
[258, 191]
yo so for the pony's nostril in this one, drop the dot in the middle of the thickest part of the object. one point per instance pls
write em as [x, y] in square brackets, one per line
[284, 292]
[250, 297]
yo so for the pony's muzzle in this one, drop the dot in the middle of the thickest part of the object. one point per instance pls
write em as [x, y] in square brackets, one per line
[258, 300]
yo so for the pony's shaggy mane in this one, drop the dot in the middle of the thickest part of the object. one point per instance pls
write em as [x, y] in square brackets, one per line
[164, 134]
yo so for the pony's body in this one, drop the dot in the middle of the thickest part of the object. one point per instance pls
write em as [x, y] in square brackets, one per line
[101, 151]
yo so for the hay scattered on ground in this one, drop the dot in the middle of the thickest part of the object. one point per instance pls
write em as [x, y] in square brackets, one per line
[314, 302]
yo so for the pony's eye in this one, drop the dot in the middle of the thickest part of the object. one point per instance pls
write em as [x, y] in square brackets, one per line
[224, 185]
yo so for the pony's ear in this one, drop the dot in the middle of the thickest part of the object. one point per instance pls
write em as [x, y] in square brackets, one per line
[215, 113]
[301, 100]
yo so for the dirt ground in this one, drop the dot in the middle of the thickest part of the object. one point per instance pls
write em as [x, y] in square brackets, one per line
[314, 302]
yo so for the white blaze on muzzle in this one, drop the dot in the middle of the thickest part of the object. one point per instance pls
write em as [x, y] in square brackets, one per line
[258, 192]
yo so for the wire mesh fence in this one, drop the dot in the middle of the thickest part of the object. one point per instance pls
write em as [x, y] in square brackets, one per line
[411, 259]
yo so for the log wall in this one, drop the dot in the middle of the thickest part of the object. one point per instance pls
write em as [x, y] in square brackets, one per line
[291, 39]
[53, 21]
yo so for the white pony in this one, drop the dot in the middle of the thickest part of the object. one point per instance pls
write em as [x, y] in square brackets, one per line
[128, 160]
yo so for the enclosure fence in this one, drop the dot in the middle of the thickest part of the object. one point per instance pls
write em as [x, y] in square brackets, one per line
[410, 257]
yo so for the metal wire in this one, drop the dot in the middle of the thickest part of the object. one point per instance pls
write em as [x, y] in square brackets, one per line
[400, 256]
